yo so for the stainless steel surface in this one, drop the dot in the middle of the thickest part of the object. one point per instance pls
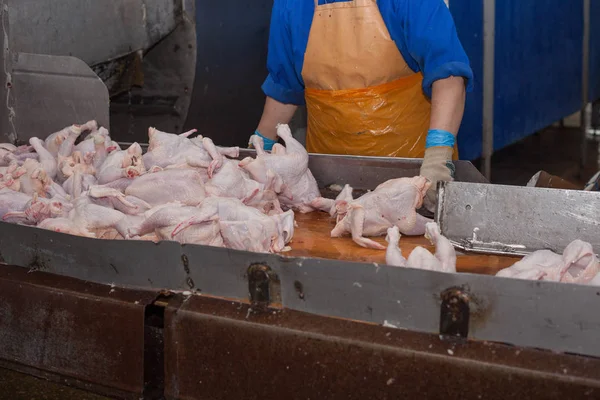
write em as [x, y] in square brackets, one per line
[163, 101]
[7, 110]
[45, 93]
[145, 51]
[171, 64]
[500, 219]
[52, 92]
[367, 172]
[489, 45]
[94, 31]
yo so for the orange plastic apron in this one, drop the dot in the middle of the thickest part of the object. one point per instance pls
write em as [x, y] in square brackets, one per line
[361, 96]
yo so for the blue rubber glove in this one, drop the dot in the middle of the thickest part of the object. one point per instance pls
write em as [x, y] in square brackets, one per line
[268, 143]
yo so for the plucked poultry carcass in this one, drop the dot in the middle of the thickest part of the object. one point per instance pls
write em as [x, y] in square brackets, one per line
[240, 225]
[54, 142]
[229, 180]
[336, 208]
[164, 220]
[166, 149]
[577, 264]
[122, 164]
[84, 218]
[37, 210]
[112, 198]
[393, 203]
[444, 259]
[290, 164]
[172, 185]
[35, 179]
[13, 201]
[10, 176]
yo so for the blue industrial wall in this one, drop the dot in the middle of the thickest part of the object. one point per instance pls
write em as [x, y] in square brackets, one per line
[537, 67]
[595, 51]
[468, 17]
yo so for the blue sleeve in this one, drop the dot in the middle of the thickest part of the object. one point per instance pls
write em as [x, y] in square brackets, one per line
[431, 40]
[282, 83]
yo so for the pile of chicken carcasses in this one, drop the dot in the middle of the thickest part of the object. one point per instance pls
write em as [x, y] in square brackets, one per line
[78, 181]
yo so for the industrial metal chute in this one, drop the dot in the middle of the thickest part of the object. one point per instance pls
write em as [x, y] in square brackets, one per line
[140, 55]
[514, 220]
[45, 93]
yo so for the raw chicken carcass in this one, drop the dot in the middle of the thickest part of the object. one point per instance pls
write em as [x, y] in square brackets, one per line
[291, 164]
[84, 218]
[55, 140]
[89, 144]
[66, 147]
[444, 259]
[393, 203]
[122, 164]
[577, 264]
[10, 154]
[166, 149]
[333, 207]
[67, 165]
[79, 182]
[35, 179]
[235, 217]
[38, 210]
[173, 185]
[113, 198]
[580, 264]
[231, 181]
[9, 176]
[12, 201]
[165, 220]
[44, 156]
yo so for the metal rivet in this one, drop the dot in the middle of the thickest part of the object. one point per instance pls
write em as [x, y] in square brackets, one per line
[454, 313]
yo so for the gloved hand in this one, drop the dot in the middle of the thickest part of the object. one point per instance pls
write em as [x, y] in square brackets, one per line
[437, 164]
[268, 143]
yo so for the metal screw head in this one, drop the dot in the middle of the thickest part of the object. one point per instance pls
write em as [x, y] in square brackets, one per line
[454, 313]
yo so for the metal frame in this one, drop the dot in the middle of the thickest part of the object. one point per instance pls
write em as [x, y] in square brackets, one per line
[489, 49]
[182, 346]
[71, 331]
[219, 349]
[586, 106]
[472, 216]
[501, 310]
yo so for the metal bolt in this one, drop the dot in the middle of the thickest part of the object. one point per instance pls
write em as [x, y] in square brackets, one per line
[454, 313]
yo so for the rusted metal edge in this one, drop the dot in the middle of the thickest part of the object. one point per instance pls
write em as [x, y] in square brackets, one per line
[64, 380]
[220, 348]
[73, 332]
[501, 310]
[226, 350]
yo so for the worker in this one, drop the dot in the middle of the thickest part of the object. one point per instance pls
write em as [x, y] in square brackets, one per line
[378, 77]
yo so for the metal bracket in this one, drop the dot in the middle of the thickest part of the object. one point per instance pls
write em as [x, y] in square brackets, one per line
[454, 313]
[264, 287]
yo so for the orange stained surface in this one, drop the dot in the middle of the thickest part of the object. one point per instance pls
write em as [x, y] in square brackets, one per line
[312, 239]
